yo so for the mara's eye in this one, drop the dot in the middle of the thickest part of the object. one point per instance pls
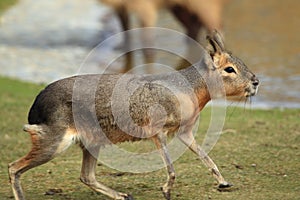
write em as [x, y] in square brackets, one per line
[229, 70]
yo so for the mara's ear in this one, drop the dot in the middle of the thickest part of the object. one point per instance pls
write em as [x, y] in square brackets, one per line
[215, 43]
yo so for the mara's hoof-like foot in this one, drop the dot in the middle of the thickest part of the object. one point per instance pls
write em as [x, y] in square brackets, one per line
[225, 186]
[124, 196]
[128, 197]
[167, 194]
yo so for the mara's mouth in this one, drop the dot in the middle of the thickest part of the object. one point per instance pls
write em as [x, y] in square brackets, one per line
[251, 91]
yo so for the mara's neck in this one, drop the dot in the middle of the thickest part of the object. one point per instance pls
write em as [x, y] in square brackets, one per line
[196, 78]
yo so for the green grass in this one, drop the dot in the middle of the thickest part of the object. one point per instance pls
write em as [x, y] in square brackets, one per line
[5, 4]
[260, 156]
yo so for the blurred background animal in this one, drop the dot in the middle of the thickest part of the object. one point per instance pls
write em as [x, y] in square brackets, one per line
[193, 15]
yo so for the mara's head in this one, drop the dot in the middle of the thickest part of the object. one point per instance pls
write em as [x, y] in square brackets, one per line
[238, 80]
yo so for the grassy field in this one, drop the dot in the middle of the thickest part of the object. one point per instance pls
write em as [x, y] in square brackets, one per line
[5, 4]
[260, 156]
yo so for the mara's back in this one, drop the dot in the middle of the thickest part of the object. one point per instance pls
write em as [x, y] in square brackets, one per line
[122, 108]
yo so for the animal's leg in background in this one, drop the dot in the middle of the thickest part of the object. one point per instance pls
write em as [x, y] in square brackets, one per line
[160, 142]
[124, 20]
[189, 140]
[188, 20]
[148, 16]
[192, 25]
[209, 13]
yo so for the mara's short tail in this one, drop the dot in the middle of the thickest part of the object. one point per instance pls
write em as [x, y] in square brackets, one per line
[33, 129]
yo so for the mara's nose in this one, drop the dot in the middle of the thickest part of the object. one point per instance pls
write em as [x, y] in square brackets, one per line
[255, 80]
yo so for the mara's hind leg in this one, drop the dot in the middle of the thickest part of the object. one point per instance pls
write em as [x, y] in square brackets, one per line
[89, 162]
[44, 148]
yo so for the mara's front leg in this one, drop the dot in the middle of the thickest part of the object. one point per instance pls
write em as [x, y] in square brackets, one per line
[189, 140]
[160, 142]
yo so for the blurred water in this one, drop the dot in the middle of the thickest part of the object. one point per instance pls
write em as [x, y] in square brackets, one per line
[265, 34]
[42, 41]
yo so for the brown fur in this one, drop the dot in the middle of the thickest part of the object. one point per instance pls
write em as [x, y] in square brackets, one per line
[192, 14]
[208, 12]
